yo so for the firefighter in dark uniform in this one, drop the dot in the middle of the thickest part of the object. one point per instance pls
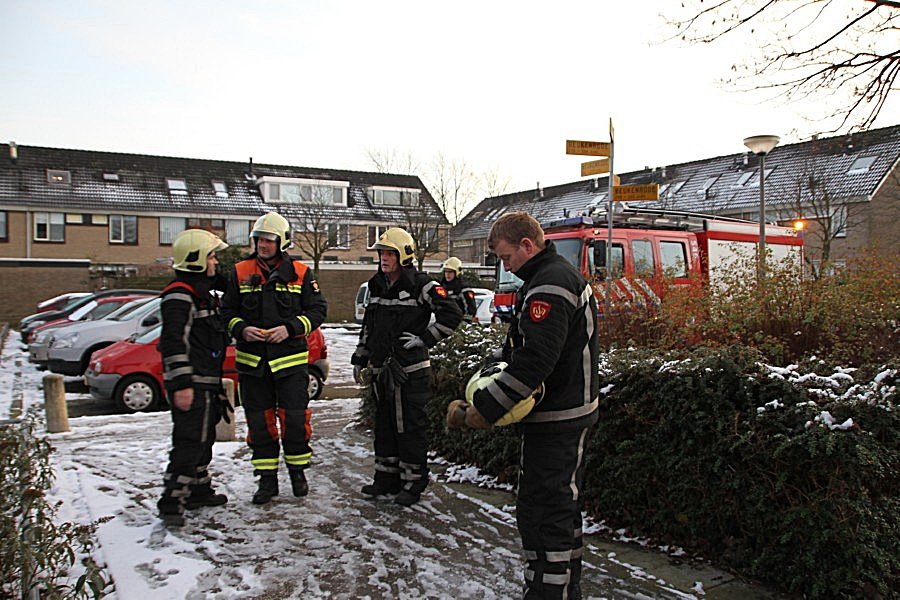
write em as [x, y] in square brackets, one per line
[271, 304]
[192, 344]
[395, 339]
[462, 294]
[552, 339]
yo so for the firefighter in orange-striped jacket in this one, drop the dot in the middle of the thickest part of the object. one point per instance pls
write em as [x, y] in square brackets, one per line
[192, 345]
[271, 304]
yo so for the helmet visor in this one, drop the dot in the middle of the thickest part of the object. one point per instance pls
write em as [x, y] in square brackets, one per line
[265, 235]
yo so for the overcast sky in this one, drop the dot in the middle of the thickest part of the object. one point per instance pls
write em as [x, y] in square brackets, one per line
[499, 84]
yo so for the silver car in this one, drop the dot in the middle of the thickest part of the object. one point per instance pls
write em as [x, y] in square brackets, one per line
[73, 345]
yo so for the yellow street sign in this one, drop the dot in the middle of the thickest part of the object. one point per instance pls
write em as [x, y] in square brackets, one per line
[626, 193]
[595, 167]
[587, 148]
[616, 180]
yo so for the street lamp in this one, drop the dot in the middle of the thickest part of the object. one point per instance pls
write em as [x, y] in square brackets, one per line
[761, 145]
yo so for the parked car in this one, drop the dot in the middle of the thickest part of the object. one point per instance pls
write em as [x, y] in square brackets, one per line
[484, 305]
[101, 308]
[37, 319]
[57, 302]
[72, 346]
[362, 300]
[130, 371]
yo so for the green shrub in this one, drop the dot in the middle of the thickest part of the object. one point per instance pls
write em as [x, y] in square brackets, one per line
[35, 551]
[714, 451]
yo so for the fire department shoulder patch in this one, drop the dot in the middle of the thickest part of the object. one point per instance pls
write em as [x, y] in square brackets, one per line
[315, 286]
[539, 310]
[440, 291]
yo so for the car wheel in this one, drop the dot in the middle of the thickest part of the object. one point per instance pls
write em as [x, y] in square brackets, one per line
[137, 393]
[316, 385]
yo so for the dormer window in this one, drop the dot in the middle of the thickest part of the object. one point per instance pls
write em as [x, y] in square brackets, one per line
[110, 177]
[393, 197]
[220, 188]
[59, 177]
[861, 165]
[176, 186]
[287, 190]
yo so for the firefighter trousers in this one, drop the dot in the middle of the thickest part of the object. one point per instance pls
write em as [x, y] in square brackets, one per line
[193, 435]
[277, 411]
[401, 431]
[548, 511]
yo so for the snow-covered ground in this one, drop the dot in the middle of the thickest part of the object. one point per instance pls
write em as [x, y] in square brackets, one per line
[460, 541]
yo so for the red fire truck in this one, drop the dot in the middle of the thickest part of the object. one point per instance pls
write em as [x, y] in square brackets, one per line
[651, 246]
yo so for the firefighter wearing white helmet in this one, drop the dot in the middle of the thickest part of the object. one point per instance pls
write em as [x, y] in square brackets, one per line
[394, 340]
[553, 340]
[192, 344]
[460, 293]
[271, 304]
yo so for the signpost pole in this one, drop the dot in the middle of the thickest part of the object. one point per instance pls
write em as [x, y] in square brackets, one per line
[609, 223]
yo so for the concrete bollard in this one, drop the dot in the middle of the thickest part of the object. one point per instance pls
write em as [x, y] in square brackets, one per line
[225, 431]
[55, 403]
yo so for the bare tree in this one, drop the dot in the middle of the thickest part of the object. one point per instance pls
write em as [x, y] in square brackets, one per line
[393, 161]
[425, 231]
[316, 225]
[808, 48]
[452, 184]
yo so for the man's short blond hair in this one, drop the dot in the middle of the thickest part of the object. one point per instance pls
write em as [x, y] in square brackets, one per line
[514, 226]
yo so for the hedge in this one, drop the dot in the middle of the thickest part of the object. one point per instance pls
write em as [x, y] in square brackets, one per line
[757, 468]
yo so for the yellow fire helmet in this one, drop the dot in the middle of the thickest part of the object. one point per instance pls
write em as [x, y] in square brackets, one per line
[191, 248]
[453, 264]
[400, 241]
[482, 378]
[273, 226]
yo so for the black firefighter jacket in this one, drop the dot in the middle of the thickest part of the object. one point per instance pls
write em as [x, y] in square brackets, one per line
[285, 295]
[553, 340]
[405, 306]
[193, 338]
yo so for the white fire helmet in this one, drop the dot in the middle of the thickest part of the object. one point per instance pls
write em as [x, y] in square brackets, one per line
[481, 379]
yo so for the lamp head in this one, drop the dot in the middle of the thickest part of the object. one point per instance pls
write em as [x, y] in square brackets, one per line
[761, 144]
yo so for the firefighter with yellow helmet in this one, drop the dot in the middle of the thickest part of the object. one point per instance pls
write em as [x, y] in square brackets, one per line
[271, 304]
[394, 340]
[459, 292]
[192, 345]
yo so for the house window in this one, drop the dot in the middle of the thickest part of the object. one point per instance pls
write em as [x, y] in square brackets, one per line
[674, 259]
[169, 228]
[237, 232]
[212, 225]
[861, 165]
[59, 177]
[177, 186]
[676, 187]
[755, 181]
[338, 235]
[375, 232]
[49, 227]
[110, 177]
[744, 178]
[388, 197]
[706, 186]
[839, 222]
[123, 229]
[220, 188]
[4, 226]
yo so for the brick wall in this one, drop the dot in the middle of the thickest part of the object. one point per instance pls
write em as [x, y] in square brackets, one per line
[25, 283]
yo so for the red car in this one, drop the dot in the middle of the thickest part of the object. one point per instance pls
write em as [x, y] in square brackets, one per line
[130, 371]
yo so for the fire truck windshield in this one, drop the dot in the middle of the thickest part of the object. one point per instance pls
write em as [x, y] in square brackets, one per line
[570, 249]
[506, 281]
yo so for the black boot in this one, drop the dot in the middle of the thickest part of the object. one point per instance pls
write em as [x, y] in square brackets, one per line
[298, 482]
[381, 487]
[204, 496]
[268, 487]
[170, 511]
[407, 498]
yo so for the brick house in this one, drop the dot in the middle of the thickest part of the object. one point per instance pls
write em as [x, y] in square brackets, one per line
[845, 188]
[122, 211]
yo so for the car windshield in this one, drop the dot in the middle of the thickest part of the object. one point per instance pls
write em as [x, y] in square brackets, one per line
[79, 313]
[143, 309]
[570, 249]
[122, 313]
[149, 336]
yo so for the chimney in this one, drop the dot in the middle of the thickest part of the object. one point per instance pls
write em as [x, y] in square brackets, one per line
[13, 153]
